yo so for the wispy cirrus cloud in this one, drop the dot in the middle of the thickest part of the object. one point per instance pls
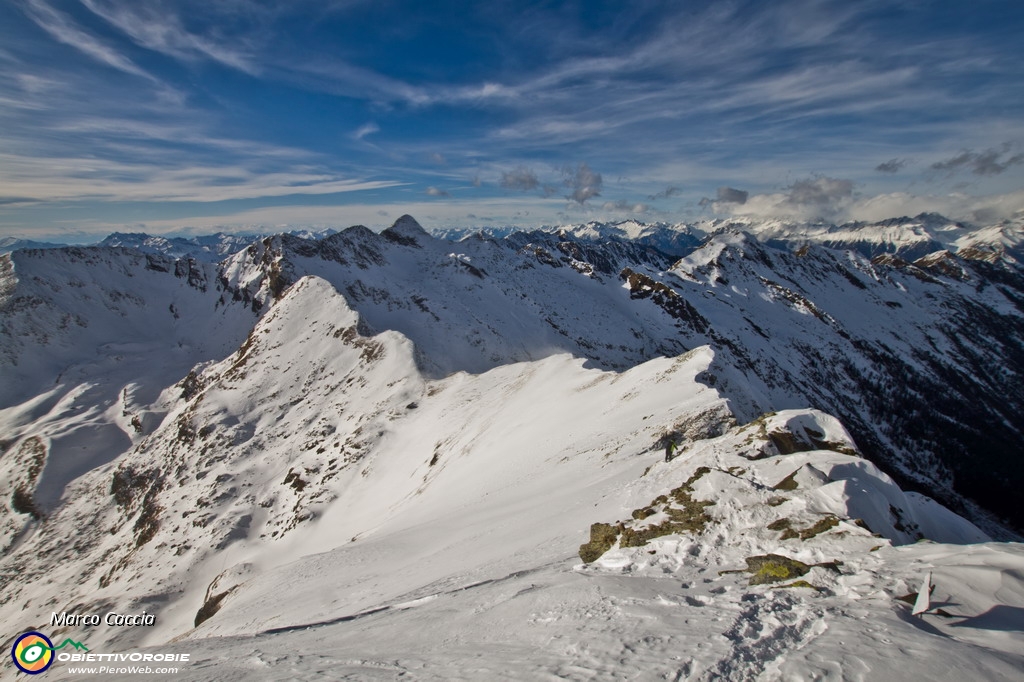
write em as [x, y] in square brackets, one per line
[77, 179]
[234, 98]
[155, 26]
[366, 129]
[65, 30]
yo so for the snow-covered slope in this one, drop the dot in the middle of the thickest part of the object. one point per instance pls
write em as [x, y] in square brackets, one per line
[379, 455]
[680, 605]
[878, 343]
[89, 338]
[470, 571]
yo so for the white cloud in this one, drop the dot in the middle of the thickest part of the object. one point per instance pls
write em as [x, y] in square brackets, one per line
[79, 179]
[583, 183]
[520, 178]
[958, 206]
[162, 31]
[623, 206]
[365, 129]
[807, 199]
[840, 205]
[63, 29]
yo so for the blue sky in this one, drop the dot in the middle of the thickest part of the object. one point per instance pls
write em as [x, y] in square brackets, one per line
[194, 115]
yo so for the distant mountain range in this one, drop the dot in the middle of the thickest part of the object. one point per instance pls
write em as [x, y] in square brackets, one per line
[209, 427]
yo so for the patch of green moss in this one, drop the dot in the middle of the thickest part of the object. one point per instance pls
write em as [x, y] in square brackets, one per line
[820, 527]
[700, 472]
[798, 583]
[602, 537]
[774, 568]
[685, 514]
[632, 537]
[789, 532]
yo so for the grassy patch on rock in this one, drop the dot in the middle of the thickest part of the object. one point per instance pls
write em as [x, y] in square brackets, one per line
[789, 532]
[774, 568]
[602, 537]
[818, 528]
[685, 515]
[765, 569]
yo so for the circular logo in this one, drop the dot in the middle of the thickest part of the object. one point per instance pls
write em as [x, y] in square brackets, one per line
[32, 653]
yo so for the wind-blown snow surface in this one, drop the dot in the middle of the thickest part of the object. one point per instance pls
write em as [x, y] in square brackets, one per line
[310, 497]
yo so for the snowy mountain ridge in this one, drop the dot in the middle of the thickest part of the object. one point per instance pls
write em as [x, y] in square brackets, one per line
[462, 413]
[907, 237]
[9, 244]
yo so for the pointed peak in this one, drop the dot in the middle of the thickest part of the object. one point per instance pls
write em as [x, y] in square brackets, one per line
[405, 231]
[407, 224]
